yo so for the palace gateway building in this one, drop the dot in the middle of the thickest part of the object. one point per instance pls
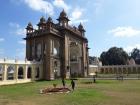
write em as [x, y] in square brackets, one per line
[62, 49]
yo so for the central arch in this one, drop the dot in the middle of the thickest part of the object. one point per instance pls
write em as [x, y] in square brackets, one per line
[75, 59]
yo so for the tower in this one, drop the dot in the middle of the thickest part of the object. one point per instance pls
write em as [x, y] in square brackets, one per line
[63, 19]
[81, 29]
[61, 48]
[29, 28]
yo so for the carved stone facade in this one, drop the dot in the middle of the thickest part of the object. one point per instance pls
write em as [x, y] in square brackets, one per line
[62, 49]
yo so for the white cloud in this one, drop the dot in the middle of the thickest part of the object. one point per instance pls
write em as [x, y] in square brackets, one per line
[22, 42]
[124, 32]
[40, 5]
[61, 4]
[17, 29]
[131, 47]
[76, 16]
[77, 13]
[2, 39]
[21, 31]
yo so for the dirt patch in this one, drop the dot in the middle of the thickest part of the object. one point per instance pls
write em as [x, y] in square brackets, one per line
[54, 90]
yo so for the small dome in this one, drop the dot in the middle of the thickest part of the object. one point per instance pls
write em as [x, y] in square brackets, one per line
[42, 20]
[63, 14]
[29, 26]
[80, 27]
[49, 19]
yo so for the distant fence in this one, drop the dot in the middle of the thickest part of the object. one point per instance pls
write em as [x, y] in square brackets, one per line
[115, 71]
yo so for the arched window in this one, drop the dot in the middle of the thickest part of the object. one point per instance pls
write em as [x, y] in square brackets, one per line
[124, 70]
[56, 48]
[55, 51]
[37, 72]
[29, 72]
[102, 71]
[134, 71]
[129, 70]
[1, 71]
[139, 70]
[110, 71]
[20, 73]
[10, 72]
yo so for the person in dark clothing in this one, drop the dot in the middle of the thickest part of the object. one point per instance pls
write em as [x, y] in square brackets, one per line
[63, 82]
[72, 84]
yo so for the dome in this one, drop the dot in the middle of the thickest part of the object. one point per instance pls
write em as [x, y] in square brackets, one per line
[29, 26]
[49, 19]
[80, 27]
[42, 20]
[63, 14]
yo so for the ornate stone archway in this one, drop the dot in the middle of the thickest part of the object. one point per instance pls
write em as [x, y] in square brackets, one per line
[75, 59]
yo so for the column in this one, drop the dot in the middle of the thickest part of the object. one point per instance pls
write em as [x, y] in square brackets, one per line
[137, 71]
[5, 72]
[25, 67]
[40, 71]
[33, 72]
[16, 72]
[83, 59]
[2, 72]
[66, 58]
[51, 66]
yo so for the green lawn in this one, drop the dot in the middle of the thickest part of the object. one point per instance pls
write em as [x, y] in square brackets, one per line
[104, 92]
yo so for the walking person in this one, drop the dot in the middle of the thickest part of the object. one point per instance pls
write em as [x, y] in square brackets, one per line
[63, 82]
[72, 84]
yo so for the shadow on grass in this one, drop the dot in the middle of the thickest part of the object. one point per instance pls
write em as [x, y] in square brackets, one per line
[99, 82]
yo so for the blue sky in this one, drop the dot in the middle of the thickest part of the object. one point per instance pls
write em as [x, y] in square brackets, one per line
[108, 23]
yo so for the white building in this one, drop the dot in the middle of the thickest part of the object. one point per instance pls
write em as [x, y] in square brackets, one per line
[14, 71]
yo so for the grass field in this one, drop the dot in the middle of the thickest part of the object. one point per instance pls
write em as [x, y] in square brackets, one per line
[104, 92]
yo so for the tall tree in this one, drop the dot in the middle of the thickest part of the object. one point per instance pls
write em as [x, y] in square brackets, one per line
[114, 56]
[92, 59]
[135, 54]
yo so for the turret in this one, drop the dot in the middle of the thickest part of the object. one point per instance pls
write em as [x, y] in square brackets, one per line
[81, 29]
[49, 23]
[42, 23]
[29, 28]
[63, 19]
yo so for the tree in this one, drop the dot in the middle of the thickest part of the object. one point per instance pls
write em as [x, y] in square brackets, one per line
[135, 54]
[114, 56]
[103, 58]
[92, 59]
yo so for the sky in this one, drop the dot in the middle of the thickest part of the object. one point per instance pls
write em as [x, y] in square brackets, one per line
[108, 23]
